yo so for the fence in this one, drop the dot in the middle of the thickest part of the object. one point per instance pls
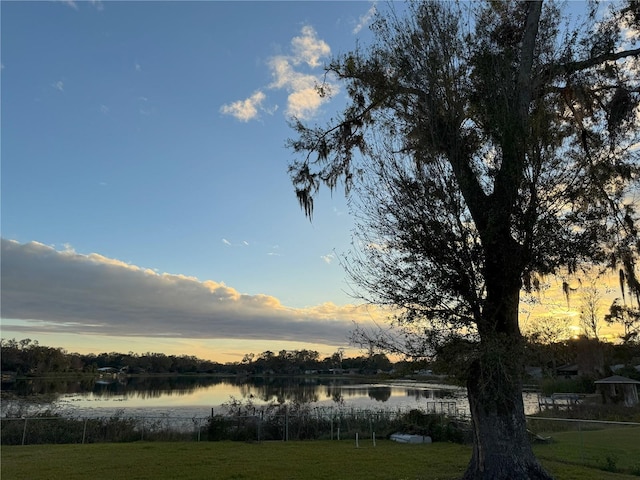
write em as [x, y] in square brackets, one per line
[288, 422]
[439, 421]
[59, 429]
[606, 445]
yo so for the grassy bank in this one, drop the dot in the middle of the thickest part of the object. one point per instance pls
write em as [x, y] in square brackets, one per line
[313, 460]
[612, 449]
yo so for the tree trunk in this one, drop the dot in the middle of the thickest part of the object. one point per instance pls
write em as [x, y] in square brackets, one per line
[501, 445]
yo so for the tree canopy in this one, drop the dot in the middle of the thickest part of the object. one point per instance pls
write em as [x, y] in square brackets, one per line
[457, 139]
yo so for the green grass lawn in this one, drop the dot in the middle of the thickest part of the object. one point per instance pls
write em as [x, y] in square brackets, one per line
[312, 460]
[616, 449]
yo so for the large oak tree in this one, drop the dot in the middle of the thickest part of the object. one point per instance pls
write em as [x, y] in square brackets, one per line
[483, 145]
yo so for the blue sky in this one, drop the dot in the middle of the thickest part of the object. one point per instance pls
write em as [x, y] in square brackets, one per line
[151, 135]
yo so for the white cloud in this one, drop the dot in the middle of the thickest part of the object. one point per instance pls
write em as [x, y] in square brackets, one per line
[303, 100]
[304, 104]
[59, 85]
[245, 110]
[226, 242]
[328, 258]
[365, 19]
[309, 48]
[52, 291]
[104, 109]
[137, 67]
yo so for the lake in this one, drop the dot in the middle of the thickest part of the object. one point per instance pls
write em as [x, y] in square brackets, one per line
[194, 396]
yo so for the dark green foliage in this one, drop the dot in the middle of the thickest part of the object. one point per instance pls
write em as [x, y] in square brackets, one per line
[629, 371]
[52, 428]
[27, 357]
[296, 421]
[610, 464]
[438, 427]
[580, 384]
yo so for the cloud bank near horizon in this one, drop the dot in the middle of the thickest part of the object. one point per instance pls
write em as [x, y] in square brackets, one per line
[54, 291]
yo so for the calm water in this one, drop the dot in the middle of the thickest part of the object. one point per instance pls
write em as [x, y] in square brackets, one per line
[197, 396]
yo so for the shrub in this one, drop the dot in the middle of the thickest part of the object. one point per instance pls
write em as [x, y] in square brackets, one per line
[581, 384]
[439, 427]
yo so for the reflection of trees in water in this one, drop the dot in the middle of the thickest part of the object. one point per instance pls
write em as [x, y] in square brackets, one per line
[27, 387]
[265, 389]
[144, 387]
[337, 397]
[359, 391]
[380, 394]
[155, 387]
[281, 390]
[418, 394]
[428, 394]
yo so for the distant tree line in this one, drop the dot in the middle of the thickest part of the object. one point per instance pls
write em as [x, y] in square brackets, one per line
[28, 357]
[592, 357]
[308, 361]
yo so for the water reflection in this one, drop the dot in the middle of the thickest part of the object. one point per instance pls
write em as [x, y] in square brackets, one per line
[279, 390]
[380, 394]
[204, 393]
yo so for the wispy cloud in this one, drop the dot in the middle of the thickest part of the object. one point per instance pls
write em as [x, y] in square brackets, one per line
[145, 107]
[67, 292]
[292, 72]
[97, 4]
[365, 19]
[59, 85]
[70, 3]
[330, 257]
[228, 243]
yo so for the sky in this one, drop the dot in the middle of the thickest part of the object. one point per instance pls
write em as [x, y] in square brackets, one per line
[146, 204]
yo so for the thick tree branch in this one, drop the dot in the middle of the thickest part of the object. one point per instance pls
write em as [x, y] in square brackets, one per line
[514, 151]
[553, 71]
